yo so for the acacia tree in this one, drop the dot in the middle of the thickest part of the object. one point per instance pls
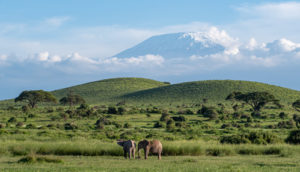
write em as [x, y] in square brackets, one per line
[72, 99]
[296, 105]
[34, 97]
[257, 100]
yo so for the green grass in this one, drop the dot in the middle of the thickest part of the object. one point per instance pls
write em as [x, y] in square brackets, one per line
[171, 163]
[213, 90]
[109, 90]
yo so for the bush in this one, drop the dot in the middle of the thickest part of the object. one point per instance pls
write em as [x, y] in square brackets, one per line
[179, 118]
[286, 124]
[121, 110]
[12, 120]
[31, 126]
[209, 112]
[158, 124]
[283, 115]
[127, 125]
[170, 125]
[294, 137]
[70, 126]
[252, 137]
[112, 110]
[164, 117]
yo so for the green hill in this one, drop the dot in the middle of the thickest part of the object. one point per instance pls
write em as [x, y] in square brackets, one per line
[109, 90]
[213, 90]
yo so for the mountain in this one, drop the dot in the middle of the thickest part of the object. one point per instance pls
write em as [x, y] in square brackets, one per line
[109, 90]
[176, 45]
[213, 90]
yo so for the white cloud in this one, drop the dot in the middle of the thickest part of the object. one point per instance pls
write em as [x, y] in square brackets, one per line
[267, 21]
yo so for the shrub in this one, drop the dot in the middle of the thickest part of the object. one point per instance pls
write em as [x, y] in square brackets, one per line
[294, 137]
[158, 124]
[170, 125]
[286, 124]
[252, 137]
[112, 110]
[25, 109]
[127, 125]
[179, 118]
[31, 126]
[70, 126]
[12, 120]
[164, 117]
[189, 112]
[209, 112]
[121, 110]
[283, 115]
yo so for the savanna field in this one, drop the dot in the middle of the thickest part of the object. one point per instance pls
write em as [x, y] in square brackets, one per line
[203, 126]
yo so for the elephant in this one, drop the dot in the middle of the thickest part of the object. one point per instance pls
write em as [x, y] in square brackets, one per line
[153, 146]
[128, 147]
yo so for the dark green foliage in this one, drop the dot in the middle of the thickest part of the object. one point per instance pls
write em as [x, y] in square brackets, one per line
[283, 115]
[71, 99]
[257, 100]
[159, 124]
[112, 110]
[121, 110]
[70, 126]
[209, 112]
[296, 118]
[12, 120]
[31, 126]
[294, 137]
[127, 125]
[179, 118]
[252, 137]
[296, 105]
[170, 125]
[286, 124]
[164, 117]
[35, 96]
[25, 109]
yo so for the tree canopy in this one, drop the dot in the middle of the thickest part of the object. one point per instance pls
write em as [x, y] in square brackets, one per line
[72, 99]
[257, 100]
[34, 97]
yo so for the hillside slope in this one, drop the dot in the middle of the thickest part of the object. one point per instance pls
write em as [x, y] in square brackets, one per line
[213, 90]
[109, 90]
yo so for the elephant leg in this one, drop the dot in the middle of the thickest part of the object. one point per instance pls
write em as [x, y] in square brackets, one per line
[129, 153]
[133, 153]
[159, 155]
[146, 153]
[125, 154]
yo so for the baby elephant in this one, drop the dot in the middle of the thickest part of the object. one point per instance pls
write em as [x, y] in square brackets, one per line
[128, 147]
[153, 146]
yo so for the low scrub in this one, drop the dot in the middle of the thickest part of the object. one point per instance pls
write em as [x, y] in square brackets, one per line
[252, 137]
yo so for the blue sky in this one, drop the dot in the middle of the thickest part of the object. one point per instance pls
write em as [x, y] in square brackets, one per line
[54, 44]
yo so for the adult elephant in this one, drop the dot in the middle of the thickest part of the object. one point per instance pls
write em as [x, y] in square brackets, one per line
[153, 146]
[128, 148]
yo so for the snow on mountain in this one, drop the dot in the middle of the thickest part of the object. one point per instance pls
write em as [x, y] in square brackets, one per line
[180, 45]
